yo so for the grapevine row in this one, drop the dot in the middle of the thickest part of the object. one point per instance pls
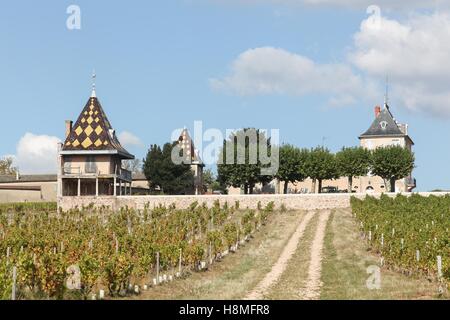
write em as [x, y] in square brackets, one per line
[113, 250]
[411, 234]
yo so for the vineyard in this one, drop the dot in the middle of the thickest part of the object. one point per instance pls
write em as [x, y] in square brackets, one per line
[90, 253]
[411, 234]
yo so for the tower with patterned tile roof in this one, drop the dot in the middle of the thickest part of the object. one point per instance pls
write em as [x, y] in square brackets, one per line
[90, 159]
[192, 158]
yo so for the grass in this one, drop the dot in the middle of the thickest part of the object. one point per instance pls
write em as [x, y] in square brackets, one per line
[238, 273]
[344, 276]
[296, 273]
[346, 260]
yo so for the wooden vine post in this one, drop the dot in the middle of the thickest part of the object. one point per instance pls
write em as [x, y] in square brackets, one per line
[14, 280]
[157, 268]
[439, 266]
[179, 262]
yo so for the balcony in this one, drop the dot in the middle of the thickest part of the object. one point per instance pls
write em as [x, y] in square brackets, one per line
[75, 172]
[71, 171]
[124, 174]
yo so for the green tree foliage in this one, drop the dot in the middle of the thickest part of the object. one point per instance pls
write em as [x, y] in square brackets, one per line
[392, 163]
[6, 166]
[208, 179]
[135, 165]
[321, 165]
[162, 172]
[210, 182]
[243, 170]
[291, 165]
[353, 162]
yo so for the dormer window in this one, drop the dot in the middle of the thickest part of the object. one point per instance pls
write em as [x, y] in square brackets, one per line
[383, 125]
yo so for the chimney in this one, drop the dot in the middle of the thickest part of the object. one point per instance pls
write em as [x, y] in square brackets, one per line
[68, 127]
[377, 111]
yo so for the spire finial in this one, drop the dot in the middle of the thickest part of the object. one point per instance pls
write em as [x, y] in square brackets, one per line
[386, 95]
[94, 76]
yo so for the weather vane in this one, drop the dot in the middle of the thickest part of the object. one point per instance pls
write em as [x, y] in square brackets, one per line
[94, 76]
[386, 95]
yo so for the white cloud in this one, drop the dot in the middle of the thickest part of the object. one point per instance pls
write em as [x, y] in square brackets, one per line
[414, 53]
[415, 56]
[388, 4]
[37, 154]
[127, 139]
[406, 5]
[270, 70]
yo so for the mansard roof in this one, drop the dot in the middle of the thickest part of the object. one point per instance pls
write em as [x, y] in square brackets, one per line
[384, 125]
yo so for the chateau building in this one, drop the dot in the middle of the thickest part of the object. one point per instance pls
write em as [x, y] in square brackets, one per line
[90, 159]
[386, 131]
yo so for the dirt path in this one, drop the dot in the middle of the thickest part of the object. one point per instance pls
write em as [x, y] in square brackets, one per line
[238, 273]
[278, 268]
[311, 291]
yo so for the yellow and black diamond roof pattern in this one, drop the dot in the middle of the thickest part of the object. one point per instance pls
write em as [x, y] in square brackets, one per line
[93, 131]
[185, 142]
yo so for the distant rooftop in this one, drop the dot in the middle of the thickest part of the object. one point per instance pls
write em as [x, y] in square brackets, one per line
[385, 125]
[49, 178]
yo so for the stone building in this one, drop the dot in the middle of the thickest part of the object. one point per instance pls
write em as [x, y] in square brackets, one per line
[386, 131]
[90, 159]
[43, 187]
[28, 188]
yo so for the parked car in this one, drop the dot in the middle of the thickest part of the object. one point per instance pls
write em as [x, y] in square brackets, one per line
[330, 190]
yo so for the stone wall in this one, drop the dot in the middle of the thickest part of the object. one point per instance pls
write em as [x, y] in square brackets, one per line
[293, 201]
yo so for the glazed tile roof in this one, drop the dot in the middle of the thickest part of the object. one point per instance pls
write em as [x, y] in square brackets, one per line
[188, 147]
[93, 132]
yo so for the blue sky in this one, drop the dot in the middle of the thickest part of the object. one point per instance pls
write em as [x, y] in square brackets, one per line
[161, 66]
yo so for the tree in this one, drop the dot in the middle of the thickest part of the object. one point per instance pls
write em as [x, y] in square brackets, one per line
[353, 162]
[243, 167]
[320, 165]
[6, 166]
[208, 179]
[135, 165]
[392, 163]
[291, 165]
[210, 182]
[163, 173]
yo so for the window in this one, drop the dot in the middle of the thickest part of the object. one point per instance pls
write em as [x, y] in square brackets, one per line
[91, 165]
[67, 165]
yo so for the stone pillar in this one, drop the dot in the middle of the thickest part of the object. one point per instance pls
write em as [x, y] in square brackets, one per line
[115, 186]
[79, 187]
